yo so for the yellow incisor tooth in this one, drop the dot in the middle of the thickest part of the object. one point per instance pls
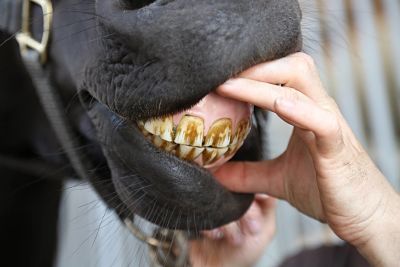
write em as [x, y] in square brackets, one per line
[152, 126]
[141, 125]
[190, 131]
[142, 129]
[167, 129]
[211, 155]
[157, 141]
[164, 145]
[241, 133]
[188, 152]
[219, 134]
[163, 127]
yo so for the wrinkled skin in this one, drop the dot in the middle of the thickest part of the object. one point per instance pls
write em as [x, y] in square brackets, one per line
[134, 60]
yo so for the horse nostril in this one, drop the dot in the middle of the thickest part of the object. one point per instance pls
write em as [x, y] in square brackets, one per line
[134, 4]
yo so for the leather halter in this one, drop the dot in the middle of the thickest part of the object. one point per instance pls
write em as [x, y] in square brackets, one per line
[15, 18]
[34, 55]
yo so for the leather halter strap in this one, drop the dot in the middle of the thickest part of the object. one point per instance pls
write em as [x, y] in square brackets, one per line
[15, 19]
[10, 15]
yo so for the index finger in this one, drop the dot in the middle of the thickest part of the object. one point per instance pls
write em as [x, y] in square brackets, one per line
[260, 94]
[296, 71]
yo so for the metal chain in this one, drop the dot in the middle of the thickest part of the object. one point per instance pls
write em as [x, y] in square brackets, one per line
[167, 248]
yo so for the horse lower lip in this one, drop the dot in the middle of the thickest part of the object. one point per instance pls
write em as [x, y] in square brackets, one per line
[141, 174]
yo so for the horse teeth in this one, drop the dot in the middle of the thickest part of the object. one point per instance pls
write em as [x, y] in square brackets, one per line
[153, 126]
[242, 131]
[157, 141]
[211, 155]
[141, 125]
[186, 142]
[188, 152]
[163, 127]
[190, 131]
[169, 146]
[208, 155]
[162, 144]
[167, 129]
[220, 152]
[219, 134]
[232, 149]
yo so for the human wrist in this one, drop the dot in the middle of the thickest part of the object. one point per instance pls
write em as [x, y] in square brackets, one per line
[382, 246]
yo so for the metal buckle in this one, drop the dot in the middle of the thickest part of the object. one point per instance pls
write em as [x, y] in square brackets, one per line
[25, 39]
[166, 247]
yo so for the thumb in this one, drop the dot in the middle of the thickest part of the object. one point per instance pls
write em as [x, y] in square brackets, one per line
[253, 177]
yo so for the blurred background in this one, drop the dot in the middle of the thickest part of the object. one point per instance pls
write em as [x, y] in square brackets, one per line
[356, 46]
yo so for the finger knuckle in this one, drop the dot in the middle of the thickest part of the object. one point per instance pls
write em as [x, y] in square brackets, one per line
[292, 94]
[330, 102]
[332, 127]
[304, 62]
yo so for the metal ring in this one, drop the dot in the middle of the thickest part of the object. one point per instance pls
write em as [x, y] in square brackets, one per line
[167, 248]
[25, 38]
[151, 241]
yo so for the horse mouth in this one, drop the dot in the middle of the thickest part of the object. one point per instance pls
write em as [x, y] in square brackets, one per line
[208, 134]
[164, 165]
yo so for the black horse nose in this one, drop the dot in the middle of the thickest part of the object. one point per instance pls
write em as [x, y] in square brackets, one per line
[183, 49]
[259, 28]
[134, 4]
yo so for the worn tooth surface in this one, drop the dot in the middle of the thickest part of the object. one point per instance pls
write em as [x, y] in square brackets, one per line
[188, 152]
[169, 147]
[144, 132]
[167, 129]
[163, 127]
[157, 141]
[242, 130]
[190, 131]
[211, 155]
[141, 125]
[189, 136]
[152, 126]
[164, 145]
[220, 152]
[219, 134]
[208, 155]
[241, 133]
[234, 148]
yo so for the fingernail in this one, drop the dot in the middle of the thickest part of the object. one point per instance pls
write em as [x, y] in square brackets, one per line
[284, 103]
[254, 226]
[230, 81]
[262, 196]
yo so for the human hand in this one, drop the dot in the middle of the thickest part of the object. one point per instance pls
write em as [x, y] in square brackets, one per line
[324, 172]
[237, 244]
